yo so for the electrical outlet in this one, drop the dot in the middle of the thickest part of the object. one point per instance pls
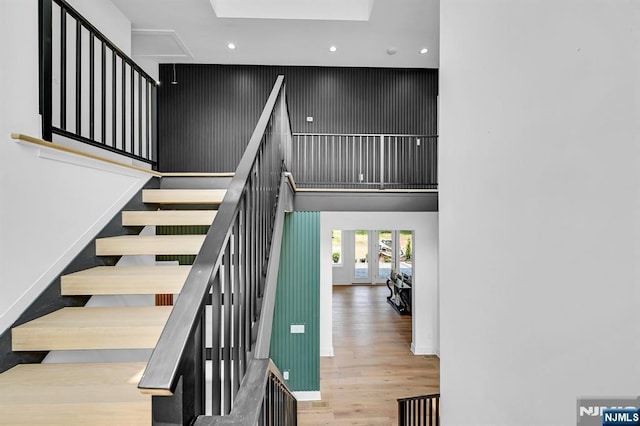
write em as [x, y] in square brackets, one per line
[309, 119]
[361, 177]
[285, 374]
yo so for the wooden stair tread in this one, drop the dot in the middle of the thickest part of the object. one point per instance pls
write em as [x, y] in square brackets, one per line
[149, 245]
[74, 394]
[168, 217]
[101, 280]
[183, 196]
[130, 327]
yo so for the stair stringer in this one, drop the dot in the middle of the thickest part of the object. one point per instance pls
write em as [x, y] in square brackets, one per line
[50, 300]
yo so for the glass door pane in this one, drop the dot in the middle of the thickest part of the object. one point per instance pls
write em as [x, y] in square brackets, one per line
[406, 252]
[336, 247]
[386, 257]
[361, 256]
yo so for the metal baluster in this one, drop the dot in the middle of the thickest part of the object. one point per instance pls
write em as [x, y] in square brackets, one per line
[124, 104]
[226, 349]
[78, 77]
[114, 98]
[132, 112]
[216, 315]
[140, 114]
[45, 46]
[63, 68]
[236, 298]
[103, 91]
[92, 101]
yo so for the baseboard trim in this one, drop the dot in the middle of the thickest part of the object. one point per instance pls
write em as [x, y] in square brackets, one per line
[423, 350]
[308, 395]
[326, 351]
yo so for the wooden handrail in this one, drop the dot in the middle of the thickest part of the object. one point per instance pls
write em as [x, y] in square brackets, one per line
[197, 174]
[53, 145]
[289, 175]
[292, 182]
[47, 144]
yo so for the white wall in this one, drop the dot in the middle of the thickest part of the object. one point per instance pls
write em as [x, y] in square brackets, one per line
[51, 204]
[341, 273]
[425, 274]
[539, 208]
[106, 17]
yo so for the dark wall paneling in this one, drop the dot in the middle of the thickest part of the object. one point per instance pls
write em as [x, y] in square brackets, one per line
[206, 120]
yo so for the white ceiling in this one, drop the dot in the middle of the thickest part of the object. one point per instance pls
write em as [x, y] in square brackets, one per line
[167, 31]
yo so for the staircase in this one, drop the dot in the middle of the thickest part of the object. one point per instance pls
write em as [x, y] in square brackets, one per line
[106, 393]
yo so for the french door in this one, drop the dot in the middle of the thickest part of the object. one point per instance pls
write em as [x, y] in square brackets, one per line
[377, 252]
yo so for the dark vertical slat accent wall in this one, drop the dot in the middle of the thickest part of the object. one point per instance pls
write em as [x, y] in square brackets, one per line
[298, 302]
[205, 121]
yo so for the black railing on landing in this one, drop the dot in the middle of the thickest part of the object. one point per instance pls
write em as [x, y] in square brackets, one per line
[364, 161]
[90, 90]
[234, 269]
[419, 411]
[263, 400]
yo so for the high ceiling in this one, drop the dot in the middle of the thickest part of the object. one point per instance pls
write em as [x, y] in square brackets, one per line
[168, 31]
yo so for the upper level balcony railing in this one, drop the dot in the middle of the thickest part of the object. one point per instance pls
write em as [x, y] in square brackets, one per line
[90, 90]
[364, 161]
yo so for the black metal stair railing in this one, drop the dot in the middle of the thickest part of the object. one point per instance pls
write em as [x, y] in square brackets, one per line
[233, 271]
[419, 410]
[90, 90]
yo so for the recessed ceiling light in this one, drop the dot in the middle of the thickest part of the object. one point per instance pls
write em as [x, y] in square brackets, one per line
[333, 49]
[231, 46]
[424, 50]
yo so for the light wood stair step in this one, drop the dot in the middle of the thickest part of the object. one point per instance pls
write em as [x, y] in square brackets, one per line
[80, 328]
[149, 245]
[183, 196]
[102, 280]
[168, 217]
[74, 394]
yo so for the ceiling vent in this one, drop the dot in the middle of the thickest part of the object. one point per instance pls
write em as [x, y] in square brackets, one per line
[158, 43]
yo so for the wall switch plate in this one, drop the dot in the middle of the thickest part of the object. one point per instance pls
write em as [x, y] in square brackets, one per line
[285, 375]
[309, 119]
[418, 142]
[297, 328]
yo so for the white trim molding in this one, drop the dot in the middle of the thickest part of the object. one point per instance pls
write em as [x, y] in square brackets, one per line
[307, 395]
[423, 350]
[326, 351]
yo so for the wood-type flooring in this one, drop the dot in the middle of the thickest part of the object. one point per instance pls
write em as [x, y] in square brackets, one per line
[373, 365]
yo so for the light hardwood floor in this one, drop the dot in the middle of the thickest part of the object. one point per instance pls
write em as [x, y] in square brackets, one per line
[373, 365]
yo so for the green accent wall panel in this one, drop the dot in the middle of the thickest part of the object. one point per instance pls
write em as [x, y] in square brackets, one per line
[298, 302]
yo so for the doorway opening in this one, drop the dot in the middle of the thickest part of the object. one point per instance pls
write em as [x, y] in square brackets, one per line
[338, 267]
[370, 256]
